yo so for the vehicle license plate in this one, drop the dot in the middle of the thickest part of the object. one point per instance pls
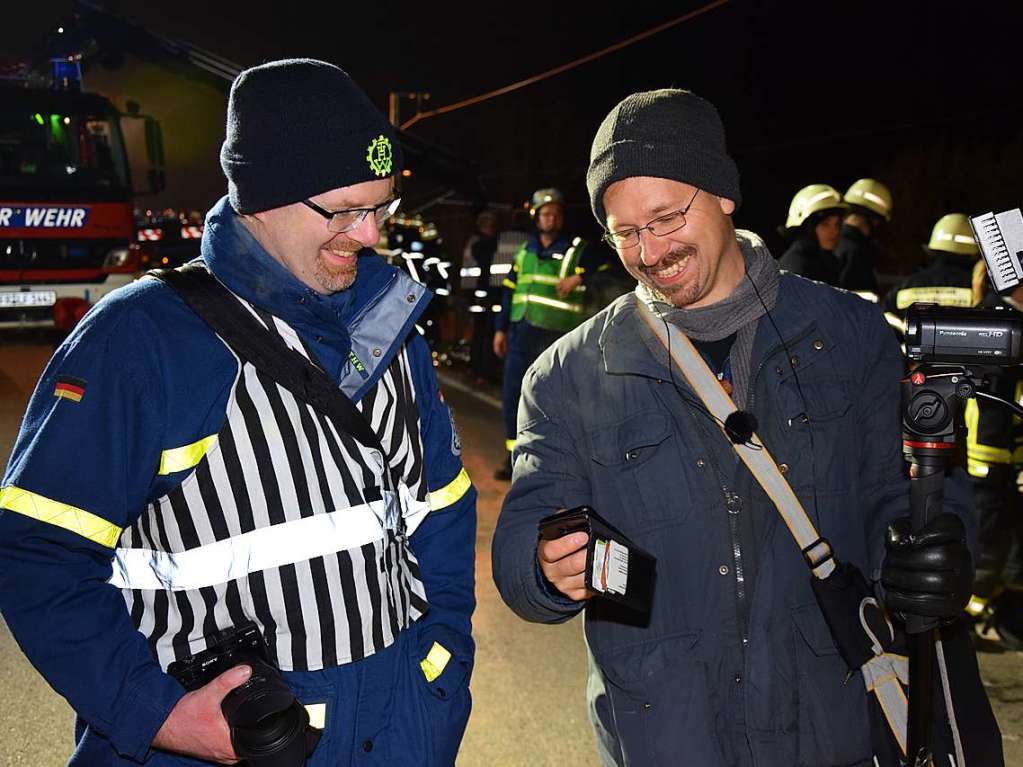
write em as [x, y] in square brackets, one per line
[28, 298]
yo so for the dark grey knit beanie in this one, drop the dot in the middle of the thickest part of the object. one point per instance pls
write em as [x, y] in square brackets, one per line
[300, 127]
[667, 133]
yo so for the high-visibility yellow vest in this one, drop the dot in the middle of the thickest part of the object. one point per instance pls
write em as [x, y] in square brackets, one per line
[536, 297]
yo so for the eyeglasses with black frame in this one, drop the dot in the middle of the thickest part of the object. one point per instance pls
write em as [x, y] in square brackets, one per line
[341, 221]
[659, 227]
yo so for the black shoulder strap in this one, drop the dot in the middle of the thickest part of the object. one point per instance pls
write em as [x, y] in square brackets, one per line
[265, 351]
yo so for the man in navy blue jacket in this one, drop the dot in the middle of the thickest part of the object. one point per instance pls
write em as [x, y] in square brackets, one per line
[163, 488]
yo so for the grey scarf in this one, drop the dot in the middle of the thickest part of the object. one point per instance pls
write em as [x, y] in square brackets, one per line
[738, 313]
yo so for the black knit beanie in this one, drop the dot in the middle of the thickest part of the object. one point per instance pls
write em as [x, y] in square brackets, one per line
[668, 133]
[300, 127]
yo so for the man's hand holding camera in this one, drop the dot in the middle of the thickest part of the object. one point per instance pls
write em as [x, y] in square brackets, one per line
[196, 725]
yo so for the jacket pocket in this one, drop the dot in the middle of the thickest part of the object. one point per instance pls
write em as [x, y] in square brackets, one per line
[834, 727]
[640, 456]
[441, 668]
[662, 703]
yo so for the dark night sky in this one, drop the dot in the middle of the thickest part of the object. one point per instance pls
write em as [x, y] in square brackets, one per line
[923, 95]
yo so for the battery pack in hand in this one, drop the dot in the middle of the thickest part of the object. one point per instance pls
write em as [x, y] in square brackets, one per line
[616, 568]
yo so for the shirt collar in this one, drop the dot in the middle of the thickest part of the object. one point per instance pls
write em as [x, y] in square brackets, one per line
[243, 265]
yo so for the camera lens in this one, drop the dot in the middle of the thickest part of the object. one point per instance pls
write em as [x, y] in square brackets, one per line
[268, 725]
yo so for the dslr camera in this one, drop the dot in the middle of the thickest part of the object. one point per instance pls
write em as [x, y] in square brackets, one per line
[269, 727]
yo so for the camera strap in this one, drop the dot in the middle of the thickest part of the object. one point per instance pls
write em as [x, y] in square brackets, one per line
[242, 332]
[858, 625]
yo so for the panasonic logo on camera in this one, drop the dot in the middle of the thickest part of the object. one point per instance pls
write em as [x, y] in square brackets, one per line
[961, 333]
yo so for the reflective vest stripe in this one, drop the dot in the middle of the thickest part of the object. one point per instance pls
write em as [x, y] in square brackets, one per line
[240, 555]
[943, 295]
[530, 298]
[185, 457]
[79, 521]
[451, 492]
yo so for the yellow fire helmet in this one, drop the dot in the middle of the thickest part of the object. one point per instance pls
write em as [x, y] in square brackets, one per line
[543, 197]
[812, 199]
[952, 234]
[871, 194]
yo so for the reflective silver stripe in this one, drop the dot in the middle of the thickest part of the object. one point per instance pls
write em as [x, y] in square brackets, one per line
[260, 549]
[946, 689]
[758, 460]
[884, 675]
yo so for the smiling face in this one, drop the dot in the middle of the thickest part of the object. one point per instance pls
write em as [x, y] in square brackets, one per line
[298, 237]
[697, 265]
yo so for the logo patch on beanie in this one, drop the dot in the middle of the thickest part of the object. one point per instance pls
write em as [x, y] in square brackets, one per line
[378, 155]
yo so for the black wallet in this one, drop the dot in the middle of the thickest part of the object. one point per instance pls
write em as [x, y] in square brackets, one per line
[616, 568]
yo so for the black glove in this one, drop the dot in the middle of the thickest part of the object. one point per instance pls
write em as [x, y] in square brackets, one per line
[930, 572]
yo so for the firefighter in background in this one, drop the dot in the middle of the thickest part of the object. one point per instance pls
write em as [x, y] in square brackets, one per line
[947, 280]
[814, 220]
[858, 252]
[479, 252]
[994, 451]
[544, 298]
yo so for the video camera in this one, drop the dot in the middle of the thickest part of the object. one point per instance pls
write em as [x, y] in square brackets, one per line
[988, 336]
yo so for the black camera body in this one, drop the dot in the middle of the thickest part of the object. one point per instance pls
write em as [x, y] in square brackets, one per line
[985, 336]
[269, 727]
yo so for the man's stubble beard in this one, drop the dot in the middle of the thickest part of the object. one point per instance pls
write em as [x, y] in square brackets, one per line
[334, 278]
[679, 296]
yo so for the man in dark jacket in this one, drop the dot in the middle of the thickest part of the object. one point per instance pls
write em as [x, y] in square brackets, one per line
[734, 663]
[166, 486]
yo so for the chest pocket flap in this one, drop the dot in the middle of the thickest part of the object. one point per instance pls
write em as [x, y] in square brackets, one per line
[814, 383]
[631, 441]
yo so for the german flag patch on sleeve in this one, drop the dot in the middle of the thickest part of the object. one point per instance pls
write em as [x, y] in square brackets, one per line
[69, 387]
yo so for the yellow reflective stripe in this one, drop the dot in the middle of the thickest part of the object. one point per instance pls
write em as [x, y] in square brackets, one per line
[79, 521]
[942, 295]
[435, 661]
[978, 452]
[185, 457]
[526, 298]
[977, 468]
[896, 322]
[509, 444]
[317, 715]
[451, 492]
[509, 283]
[543, 279]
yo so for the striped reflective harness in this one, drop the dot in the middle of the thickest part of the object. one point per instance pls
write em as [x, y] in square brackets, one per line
[285, 519]
[885, 673]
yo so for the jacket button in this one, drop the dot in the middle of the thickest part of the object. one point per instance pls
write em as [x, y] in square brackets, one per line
[778, 370]
[818, 344]
[783, 467]
[410, 298]
[723, 569]
[700, 463]
[794, 360]
[377, 352]
[367, 746]
[632, 455]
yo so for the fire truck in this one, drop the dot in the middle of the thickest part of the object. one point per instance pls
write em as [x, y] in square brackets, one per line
[67, 229]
